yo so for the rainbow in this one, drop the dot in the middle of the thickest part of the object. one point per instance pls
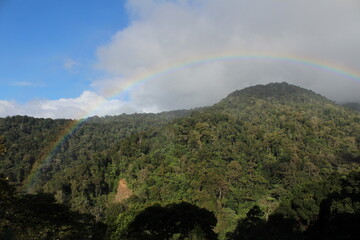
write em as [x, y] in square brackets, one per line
[143, 78]
[68, 130]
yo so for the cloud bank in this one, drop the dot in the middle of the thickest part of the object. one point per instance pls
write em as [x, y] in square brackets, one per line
[165, 35]
[87, 104]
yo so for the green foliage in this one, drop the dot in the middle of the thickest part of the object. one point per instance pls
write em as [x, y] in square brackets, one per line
[339, 216]
[181, 220]
[259, 146]
[2, 147]
[321, 210]
[252, 147]
[39, 217]
[26, 140]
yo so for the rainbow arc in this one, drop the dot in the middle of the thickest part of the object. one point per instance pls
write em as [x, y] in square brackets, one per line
[154, 74]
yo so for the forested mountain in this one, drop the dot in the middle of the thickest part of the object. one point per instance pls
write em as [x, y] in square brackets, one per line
[30, 139]
[245, 159]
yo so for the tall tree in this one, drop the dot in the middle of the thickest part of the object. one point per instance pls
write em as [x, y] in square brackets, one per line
[181, 220]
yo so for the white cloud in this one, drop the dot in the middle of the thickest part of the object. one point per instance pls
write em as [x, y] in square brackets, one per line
[23, 84]
[87, 104]
[69, 64]
[169, 33]
[147, 60]
[7, 108]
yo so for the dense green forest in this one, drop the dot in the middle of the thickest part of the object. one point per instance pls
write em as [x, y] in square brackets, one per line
[271, 160]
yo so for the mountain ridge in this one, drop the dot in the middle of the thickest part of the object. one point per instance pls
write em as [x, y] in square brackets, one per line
[275, 90]
[279, 93]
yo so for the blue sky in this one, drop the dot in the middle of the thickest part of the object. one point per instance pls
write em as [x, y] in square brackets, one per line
[48, 48]
[78, 58]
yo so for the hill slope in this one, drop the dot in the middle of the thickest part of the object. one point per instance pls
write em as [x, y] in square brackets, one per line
[251, 148]
[29, 139]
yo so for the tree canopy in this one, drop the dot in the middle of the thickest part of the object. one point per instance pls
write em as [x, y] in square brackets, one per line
[260, 146]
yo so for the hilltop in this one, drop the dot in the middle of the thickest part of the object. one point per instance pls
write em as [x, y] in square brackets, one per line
[277, 92]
